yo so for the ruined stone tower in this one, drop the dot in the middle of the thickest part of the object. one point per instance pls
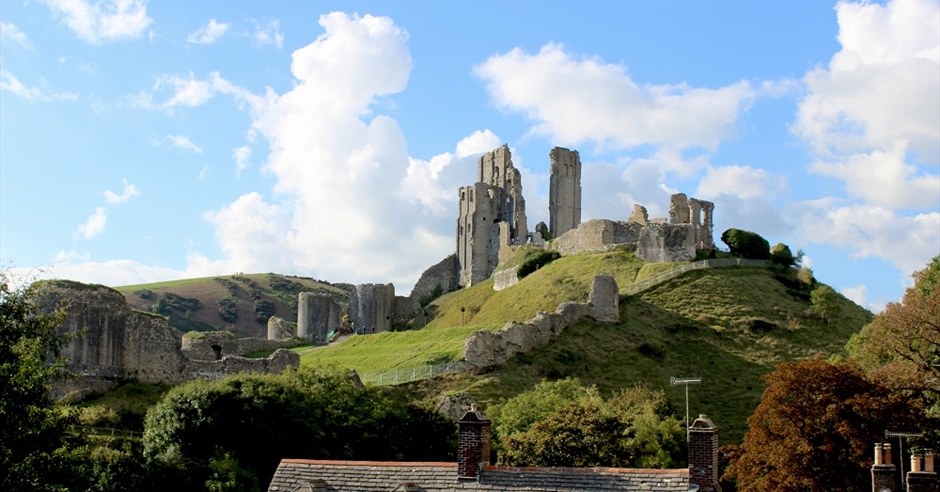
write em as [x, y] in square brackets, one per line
[564, 196]
[317, 316]
[370, 308]
[491, 214]
[699, 214]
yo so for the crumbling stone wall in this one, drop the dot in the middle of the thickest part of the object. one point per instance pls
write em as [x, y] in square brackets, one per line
[317, 316]
[487, 349]
[564, 196]
[445, 274]
[505, 278]
[604, 299]
[596, 236]
[403, 308]
[639, 215]
[666, 243]
[232, 364]
[281, 329]
[699, 214]
[114, 342]
[679, 209]
[219, 344]
[370, 308]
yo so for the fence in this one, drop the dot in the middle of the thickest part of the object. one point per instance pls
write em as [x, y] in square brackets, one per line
[400, 376]
[685, 267]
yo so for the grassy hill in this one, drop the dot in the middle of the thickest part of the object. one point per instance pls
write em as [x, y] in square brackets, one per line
[241, 304]
[729, 326]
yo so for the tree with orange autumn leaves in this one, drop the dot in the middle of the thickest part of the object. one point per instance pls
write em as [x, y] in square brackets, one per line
[817, 422]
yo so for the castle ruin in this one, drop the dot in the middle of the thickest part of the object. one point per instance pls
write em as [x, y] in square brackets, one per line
[317, 316]
[371, 307]
[491, 215]
[564, 197]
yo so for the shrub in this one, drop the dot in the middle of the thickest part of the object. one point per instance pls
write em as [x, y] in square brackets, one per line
[746, 244]
[264, 310]
[434, 294]
[781, 255]
[536, 261]
[228, 310]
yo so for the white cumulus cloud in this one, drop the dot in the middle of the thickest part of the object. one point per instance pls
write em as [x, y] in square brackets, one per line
[344, 205]
[269, 32]
[13, 36]
[9, 82]
[104, 20]
[183, 142]
[241, 156]
[129, 191]
[208, 33]
[871, 114]
[574, 100]
[94, 225]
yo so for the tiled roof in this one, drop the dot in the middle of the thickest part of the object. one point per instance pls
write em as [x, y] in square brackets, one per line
[374, 476]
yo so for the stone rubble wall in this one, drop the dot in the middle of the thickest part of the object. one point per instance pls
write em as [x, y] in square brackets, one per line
[404, 308]
[445, 274]
[505, 278]
[487, 349]
[660, 243]
[596, 236]
[217, 369]
[115, 343]
[281, 329]
[202, 348]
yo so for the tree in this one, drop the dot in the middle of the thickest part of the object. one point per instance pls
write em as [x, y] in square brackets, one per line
[824, 302]
[781, 255]
[31, 424]
[815, 427]
[901, 346]
[232, 433]
[746, 244]
[633, 428]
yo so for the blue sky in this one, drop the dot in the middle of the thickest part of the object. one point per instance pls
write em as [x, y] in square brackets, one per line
[148, 141]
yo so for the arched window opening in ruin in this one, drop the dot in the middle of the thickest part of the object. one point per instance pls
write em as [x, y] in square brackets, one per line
[218, 351]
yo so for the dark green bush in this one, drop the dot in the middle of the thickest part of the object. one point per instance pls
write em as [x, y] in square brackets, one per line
[228, 310]
[264, 309]
[536, 261]
[746, 244]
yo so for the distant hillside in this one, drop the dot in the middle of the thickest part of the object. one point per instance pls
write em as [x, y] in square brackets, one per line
[238, 303]
[728, 325]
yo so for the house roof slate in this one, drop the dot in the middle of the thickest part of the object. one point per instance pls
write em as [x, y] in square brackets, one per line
[374, 476]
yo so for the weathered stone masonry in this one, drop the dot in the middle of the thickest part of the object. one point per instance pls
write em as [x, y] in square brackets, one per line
[564, 198]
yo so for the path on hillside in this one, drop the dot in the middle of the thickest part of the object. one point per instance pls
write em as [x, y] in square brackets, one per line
[338, 341]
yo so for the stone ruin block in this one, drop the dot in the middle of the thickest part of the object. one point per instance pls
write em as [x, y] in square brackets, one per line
[666, 243]
[317, 316]
[604, 300]
[371, 308]
[281, 329]
[639, 215]
[679, 209]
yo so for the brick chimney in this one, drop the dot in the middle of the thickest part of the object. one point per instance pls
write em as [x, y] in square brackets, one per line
[922, 478]
[882, 472]
[473, 447]
[703, 455]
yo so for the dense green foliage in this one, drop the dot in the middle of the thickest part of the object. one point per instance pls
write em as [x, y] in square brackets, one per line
[228, 310]
[825, 302]
[31, 425]
[902, 346]
[536, 261]
[244, 425]
[781, 255]
[566, 424]
[746, 244]
[815, 428]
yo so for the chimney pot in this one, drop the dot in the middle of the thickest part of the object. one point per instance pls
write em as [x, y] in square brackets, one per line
[887, 453]
[879, 453]
[915, 463]
[928, 460]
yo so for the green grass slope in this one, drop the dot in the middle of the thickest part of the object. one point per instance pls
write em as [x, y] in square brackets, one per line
[247, 294]
[729, 326]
